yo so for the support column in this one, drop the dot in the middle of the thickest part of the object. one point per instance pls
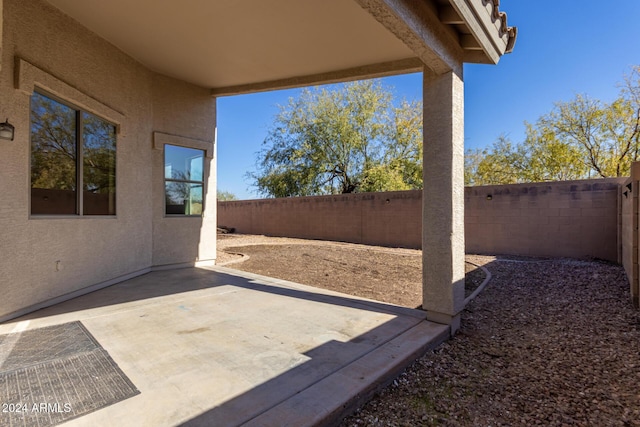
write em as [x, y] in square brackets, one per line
[1, 30]
[443, 198]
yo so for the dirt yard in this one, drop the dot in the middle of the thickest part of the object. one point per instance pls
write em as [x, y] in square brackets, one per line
[384, 274]
[551, 342]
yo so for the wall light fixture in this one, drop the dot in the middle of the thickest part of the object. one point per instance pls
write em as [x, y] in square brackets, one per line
[7, 130]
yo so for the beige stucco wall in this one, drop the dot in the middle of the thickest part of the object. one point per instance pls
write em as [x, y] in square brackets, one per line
[188, 112]
[62, 57]
[571, 219]
[629, 236]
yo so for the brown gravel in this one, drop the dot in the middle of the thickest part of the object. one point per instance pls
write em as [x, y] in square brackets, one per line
[548, 342]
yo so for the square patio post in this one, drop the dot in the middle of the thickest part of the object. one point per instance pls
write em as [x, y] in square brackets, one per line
[443, 198]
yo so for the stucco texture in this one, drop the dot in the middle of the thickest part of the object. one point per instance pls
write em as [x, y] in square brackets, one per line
[48, 257]
[629, 207]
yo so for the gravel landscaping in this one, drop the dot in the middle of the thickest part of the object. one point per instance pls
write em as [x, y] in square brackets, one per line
[548, 342]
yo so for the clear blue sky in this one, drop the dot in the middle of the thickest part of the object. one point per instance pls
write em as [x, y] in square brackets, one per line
[564, 48]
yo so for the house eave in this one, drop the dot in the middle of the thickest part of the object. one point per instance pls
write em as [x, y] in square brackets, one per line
[488, 26]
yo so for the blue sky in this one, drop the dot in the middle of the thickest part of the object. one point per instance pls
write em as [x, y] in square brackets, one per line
[564, 48]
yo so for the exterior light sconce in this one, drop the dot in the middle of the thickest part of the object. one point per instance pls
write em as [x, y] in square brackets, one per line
[7, 130]
[489, 197]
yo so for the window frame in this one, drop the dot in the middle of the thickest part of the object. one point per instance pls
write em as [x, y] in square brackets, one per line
[79, 142]
[166, 180]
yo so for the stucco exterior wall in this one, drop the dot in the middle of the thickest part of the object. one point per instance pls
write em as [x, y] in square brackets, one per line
[43, 258]
[186, 115]
[629, 236]
[571, 219]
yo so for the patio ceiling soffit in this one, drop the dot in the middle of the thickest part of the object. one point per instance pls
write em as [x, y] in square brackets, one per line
[389, 37]
[442, 33]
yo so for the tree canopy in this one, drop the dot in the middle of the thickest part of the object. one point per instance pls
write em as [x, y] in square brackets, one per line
[343, 140]
[55, 146]
[225, 196]
[581, 138]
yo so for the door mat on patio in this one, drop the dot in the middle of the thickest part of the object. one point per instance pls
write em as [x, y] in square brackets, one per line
[53, 374]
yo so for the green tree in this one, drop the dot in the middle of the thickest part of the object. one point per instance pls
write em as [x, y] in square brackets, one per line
[503, 163]
[578, 139]
[541, 157]
[472, 159]
[548, 158]
[345, 140]
[401, 165]
[53, 144]
[54, 148]
[225, 196]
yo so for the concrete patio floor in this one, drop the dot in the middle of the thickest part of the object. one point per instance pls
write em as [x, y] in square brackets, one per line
[218, 347]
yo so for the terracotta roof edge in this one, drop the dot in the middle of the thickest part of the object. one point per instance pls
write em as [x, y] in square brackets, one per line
[511, 32]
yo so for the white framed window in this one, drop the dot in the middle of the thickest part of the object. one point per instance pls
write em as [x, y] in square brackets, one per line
[183, 180]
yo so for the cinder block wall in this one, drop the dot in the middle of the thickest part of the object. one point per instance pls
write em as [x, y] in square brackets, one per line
[386, 219]
[570, 219]
[575, 219]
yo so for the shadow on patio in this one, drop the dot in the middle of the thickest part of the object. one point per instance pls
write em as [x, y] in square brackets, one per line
[220, 347]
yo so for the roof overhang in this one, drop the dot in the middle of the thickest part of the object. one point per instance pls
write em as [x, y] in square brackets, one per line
[241, 46]
[483, 31]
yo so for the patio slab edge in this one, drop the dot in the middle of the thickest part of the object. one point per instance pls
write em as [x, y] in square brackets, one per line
[329, 400]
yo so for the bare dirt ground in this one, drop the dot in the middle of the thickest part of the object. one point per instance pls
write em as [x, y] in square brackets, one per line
[549, 342]
[390, 275]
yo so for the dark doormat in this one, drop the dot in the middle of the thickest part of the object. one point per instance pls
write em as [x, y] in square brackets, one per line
[53, 374]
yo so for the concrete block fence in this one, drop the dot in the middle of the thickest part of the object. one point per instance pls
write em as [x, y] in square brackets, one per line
[578, 219]
[597, 218]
